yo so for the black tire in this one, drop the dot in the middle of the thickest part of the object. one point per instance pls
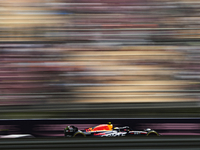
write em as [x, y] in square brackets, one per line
[152, 133]
[79, 135]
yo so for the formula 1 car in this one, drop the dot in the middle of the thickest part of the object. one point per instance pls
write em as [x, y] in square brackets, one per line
[106, 130]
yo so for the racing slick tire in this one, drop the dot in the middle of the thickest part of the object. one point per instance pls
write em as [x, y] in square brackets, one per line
[78, 134]
[152, 133]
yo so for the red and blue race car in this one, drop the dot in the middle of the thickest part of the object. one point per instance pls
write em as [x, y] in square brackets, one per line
[106, 130]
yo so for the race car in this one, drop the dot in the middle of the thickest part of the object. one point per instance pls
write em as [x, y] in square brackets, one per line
[106, 130]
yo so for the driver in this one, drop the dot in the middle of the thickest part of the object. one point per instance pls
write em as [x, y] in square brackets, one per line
[110, 126]
[69, 129]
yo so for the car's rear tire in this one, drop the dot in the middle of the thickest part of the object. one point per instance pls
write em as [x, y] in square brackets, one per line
[152, 133]
[79, 135]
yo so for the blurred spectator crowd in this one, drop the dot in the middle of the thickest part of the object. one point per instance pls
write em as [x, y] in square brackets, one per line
[64, 51]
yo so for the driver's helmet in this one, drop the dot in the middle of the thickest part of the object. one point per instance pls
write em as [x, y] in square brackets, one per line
[69, 128]
[110, 125]
[148, 129]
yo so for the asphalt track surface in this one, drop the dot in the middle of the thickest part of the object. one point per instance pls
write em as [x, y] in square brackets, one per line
[114, 143]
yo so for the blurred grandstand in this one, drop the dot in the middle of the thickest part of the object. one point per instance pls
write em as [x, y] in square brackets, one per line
[63, 56]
